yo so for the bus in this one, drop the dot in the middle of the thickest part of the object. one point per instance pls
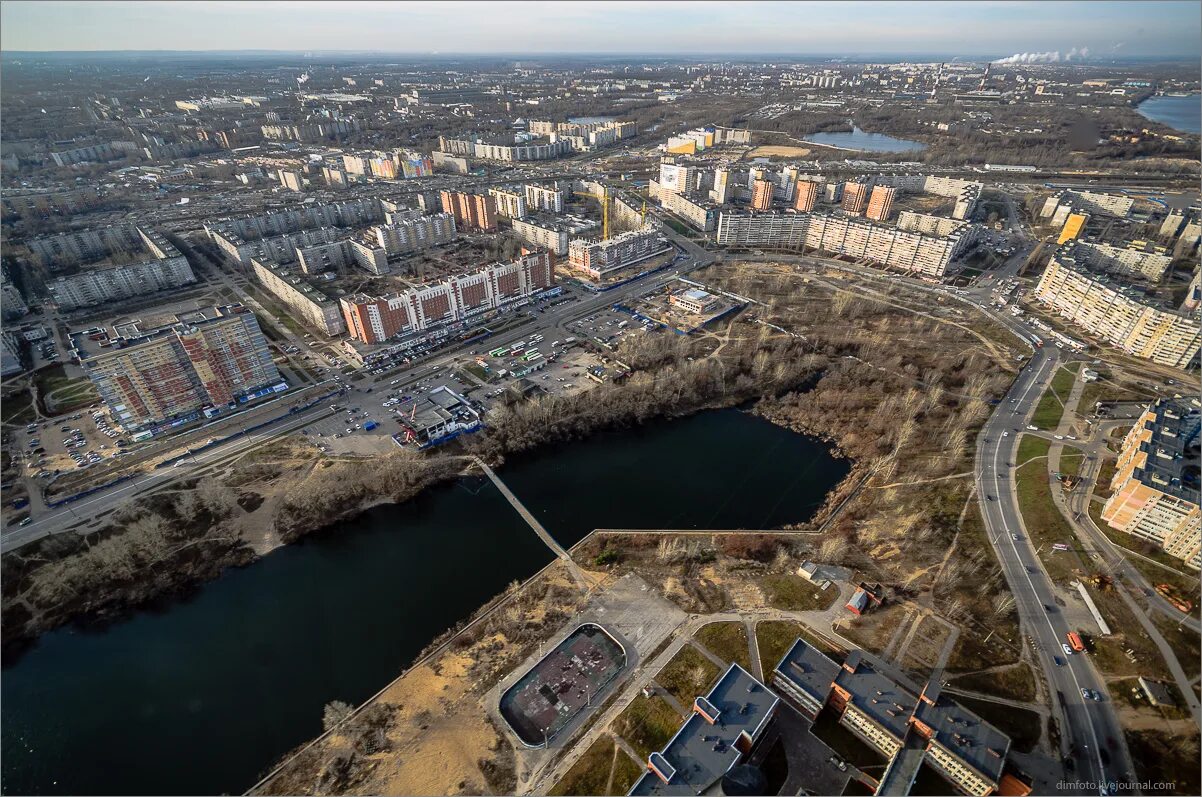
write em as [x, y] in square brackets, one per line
[533, 354]
[517, 347]
[1059, 546]
[1074, 641]
[500, 351]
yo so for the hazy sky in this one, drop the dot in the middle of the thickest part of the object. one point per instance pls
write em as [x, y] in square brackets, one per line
[821, 28]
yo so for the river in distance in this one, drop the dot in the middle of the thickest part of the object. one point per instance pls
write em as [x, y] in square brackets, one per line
[866, 142]
[202, 695]
[1179, 113]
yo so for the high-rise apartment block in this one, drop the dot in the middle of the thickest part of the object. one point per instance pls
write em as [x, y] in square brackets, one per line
[168, 375]
[1119, 315]
[540, 197]
[456, 299]
[292, 180]
[418, 232]
[510, 204]
[598, 259]
[472, 212]
[807, 195]
[855, 197]
[880, 205]
[1074, 225]
[161, 265]
[1154, 492]
[761, 194]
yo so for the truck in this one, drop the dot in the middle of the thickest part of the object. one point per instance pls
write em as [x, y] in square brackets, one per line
[1074, 641]
[369, 425]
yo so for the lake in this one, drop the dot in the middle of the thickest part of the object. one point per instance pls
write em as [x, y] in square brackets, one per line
[1179, 113]
[202, 695]
[867, 142]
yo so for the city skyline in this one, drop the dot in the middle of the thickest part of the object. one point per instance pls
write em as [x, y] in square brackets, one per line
[1054, 31]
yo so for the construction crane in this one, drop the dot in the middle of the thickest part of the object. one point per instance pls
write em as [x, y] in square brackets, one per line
[603, 198]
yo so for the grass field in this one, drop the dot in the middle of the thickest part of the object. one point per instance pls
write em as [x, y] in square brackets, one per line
[1030, 447]
[794, 593]
[1042, 519]
[727, 641]
[1016, 683]
[688, 675]
[17, 407]
[604, 769]
[774, 638]
[1051, 407]
[647, 724]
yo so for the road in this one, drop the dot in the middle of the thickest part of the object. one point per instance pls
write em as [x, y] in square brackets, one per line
[64, 518]
[1090, 729]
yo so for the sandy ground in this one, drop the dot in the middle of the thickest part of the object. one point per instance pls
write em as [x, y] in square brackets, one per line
[778, 152]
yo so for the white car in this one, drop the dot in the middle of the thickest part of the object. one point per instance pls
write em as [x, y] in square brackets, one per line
[1067, 650]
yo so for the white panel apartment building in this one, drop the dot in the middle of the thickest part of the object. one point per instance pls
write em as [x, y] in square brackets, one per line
[1116, 205]
[164, 269]
[304, 301]
[540, 197]
[1120, 315]
[407, 235]
[543, 233]
[929, 255]
[1144, 261]
[510, 204]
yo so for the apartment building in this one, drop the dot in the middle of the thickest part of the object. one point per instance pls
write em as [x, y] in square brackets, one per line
[339, 255]
[1113, 205]
[543, 198]
[855, 197]
[965, 192]
[698, 213]
[1139, 259]
[45, 203]
[90, 154]
[472, 212]
[599, 259]
[677, 178]
[454, 164]
[510, 204]
[1154, 492]
[544, 233]
[891, 717]
[310, 132]
[504, 152]
[304, 301]
[1119, 315]
[292, 180]
[910, 221]
[880, 204]
[1074, 226]
[806, 196]
[456, 299]
[761, 194]
[12, 303]
[157, 266]
[928, 255]
[171, 375]
[415, 232]
[720, 193]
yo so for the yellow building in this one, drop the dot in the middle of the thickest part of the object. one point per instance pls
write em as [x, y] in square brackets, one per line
[1155, 485]
[1073, 226]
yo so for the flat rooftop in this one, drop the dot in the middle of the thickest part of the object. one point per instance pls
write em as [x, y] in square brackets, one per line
[1172, 464]
[977, 742]
[701, 753]
[809, 669]
[876, 694]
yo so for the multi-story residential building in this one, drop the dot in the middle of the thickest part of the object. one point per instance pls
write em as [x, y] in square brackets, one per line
[1154, 492]
[1172, 224]
[305, 302]
[1115, 205]
[806, 195]
[292, 180]
[418, 232]
[88, 154]
[965, 193]
[510, 204]
[106, 280]
[171, 375]
[891, 716]
[761, 194]
[940, 226]
[12, 303]
[1120, 315]
[598, 259]
[675, 177]
[456, 299]
[1074, 225]
[334, 177]
[340, 254]
[545, 233]
[855, 197]
[699, 213]
[45, 203]
[309, 132]
[928, 255]
[1140, 259]
[472, 212]
[540, 197]
[504, 152]
[880, 204]
[720, 193]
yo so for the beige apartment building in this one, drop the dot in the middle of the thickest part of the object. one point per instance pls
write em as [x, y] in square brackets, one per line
[1120, 315]
[1155, 485]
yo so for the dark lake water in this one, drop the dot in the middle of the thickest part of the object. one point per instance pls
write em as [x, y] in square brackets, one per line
[1179, 113]
[202, 695]
[866, 142]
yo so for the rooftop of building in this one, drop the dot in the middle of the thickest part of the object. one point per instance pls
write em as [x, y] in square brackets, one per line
[977, 742]
[1123, 288]
[701, 753]
[124, 334]
[809, 668]
[880, 697]
[1172, 464]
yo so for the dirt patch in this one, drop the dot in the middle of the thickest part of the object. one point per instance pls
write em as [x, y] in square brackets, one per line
[774, 151]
